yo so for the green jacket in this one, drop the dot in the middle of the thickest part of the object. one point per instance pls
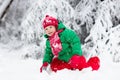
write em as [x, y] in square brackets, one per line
[70, 45]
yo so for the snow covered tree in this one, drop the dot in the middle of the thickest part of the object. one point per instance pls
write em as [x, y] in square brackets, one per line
[103, 30]
[95, 21]
[10, 25]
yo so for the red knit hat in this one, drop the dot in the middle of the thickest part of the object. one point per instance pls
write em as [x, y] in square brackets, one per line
[50, 21]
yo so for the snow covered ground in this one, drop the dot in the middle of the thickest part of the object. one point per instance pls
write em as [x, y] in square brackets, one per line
[13, 67]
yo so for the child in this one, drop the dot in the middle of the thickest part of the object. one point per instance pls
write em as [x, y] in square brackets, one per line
[63, 47]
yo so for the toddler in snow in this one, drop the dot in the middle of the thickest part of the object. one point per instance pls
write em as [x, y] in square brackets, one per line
[63, 48]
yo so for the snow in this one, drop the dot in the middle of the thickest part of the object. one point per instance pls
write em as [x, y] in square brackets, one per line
[13, 67]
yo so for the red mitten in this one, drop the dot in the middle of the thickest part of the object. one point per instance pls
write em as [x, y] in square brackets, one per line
[94, 63]
[44, 66]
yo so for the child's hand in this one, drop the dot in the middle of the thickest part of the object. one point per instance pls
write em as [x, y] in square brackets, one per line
[44, 66]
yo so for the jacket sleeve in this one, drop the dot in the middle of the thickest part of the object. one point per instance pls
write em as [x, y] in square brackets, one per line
[74, 42]
[48, 53]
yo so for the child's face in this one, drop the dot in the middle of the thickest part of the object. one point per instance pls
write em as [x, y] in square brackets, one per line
[49, 30]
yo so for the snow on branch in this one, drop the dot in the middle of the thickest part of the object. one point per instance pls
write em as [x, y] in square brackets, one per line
[104, 35]
[3, 9]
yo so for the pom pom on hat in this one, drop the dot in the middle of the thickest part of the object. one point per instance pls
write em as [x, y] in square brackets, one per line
[49, 20]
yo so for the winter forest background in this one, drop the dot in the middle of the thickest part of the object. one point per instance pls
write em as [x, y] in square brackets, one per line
[97, 22]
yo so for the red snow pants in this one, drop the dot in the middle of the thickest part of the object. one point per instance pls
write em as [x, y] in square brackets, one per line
[76, 62]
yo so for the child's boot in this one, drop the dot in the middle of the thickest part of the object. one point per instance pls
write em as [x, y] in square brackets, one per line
[94, 63]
